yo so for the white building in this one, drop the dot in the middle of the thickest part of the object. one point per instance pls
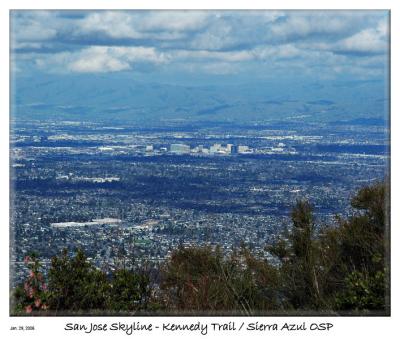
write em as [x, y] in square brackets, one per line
[243, 149]
[180, 149]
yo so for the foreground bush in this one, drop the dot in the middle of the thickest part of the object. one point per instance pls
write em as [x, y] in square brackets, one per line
[342, 267]
[76, 286]
[202, 280]
[33, 295]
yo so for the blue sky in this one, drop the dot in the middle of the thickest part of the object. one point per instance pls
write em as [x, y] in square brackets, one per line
[157, 45]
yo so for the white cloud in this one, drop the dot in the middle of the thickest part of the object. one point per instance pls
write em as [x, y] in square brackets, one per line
[383, 28]
[158, 25]
[35, 26]
[96, 59]
[232, 30]
[27, 45]
[100, 59]
[208, 41]
[230, 56]
[303, 25]
[367, 41]
[111, 24]
[148, 54]
[328, 24]
[98, 63]
[214, 38]
[173, 20]
[285, 51]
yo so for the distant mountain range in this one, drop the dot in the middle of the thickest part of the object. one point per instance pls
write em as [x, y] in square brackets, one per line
[122, 99]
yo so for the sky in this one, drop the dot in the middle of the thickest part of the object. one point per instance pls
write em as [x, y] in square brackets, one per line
[172, 45]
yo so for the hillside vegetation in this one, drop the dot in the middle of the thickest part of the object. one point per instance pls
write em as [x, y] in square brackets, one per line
[335, 269]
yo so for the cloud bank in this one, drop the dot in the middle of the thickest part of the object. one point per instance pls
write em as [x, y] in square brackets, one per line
[210, 42]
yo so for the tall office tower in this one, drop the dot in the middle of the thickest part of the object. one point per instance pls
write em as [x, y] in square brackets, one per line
[234, 149]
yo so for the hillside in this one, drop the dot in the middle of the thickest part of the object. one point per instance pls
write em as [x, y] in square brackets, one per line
[126, 100]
